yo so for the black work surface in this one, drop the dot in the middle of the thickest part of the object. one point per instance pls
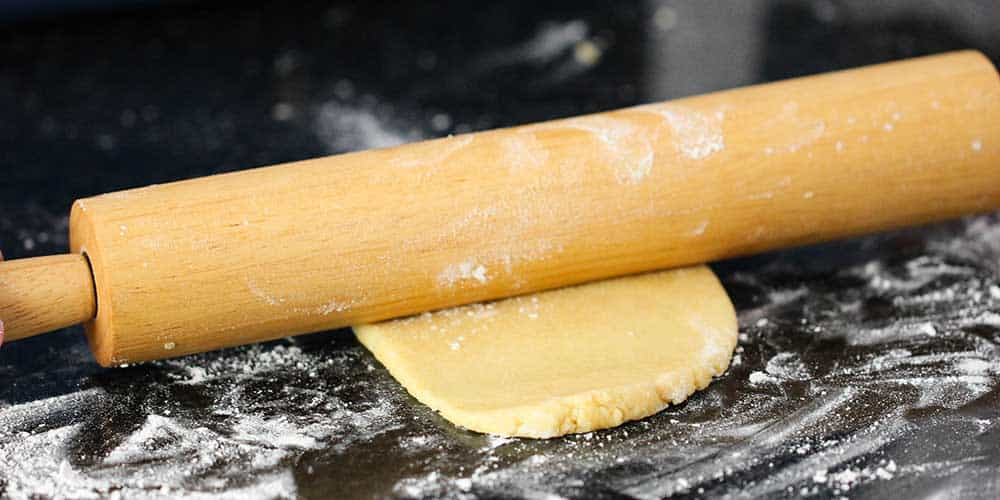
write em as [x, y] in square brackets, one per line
[866, 368]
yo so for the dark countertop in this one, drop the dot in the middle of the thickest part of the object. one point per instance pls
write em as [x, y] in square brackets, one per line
[866, 368]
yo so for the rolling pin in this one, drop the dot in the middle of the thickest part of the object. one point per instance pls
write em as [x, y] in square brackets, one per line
[259, 254]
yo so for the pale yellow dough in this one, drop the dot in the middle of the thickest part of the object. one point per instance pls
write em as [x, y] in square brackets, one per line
[570, 360]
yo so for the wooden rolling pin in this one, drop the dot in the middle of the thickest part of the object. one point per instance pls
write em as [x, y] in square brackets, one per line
[248, 256]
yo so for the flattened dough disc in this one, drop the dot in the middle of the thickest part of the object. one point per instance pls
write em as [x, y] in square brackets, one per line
[569, 360]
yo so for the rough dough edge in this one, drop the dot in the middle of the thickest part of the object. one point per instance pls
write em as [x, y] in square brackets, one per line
[575, 413]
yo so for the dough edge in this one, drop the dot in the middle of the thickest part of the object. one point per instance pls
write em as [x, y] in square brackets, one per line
[576, 413]
[591, 410]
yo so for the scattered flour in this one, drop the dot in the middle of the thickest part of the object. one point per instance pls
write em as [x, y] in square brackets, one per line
[758, 378]
[244, 446]
[550, 42]
[700, 230]
[523, 150]
[431, 153]
[345, 127]
[462, 273]
[272, 299]
[630, 152]
[793, 132]
[696, 135]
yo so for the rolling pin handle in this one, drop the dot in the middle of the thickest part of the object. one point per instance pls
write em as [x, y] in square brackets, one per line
[42, 294]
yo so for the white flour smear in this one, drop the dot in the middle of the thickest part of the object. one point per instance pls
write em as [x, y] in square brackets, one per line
[848, 382]
[867, 378]
[346, 127]
[550, 42]
[240, 444]
[856, 379]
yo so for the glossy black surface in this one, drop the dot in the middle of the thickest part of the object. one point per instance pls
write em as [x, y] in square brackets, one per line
[876, 360]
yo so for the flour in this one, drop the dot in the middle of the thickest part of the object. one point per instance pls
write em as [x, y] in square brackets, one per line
[700, 230]
[793, 131]
[695, 135]
[258, 291]
[550, 41]
[627, 149]
[431, 153]
[524, 151]
[39, 231]
[846, 378]
[246, 451]
[346, 127]
[786, 365]
[757, 378]
[842, 481]
[463, 273]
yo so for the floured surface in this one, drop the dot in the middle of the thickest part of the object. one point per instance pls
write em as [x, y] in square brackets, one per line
[565, 361]
[863, 369]
[873, 406]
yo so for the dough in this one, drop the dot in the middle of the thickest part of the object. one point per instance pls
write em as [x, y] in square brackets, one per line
[570, 360]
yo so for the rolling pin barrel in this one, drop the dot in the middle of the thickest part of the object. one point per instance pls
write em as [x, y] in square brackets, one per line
[264, 253]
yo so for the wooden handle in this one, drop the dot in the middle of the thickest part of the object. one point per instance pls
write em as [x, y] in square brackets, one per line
[42, 294]
[259, 254]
